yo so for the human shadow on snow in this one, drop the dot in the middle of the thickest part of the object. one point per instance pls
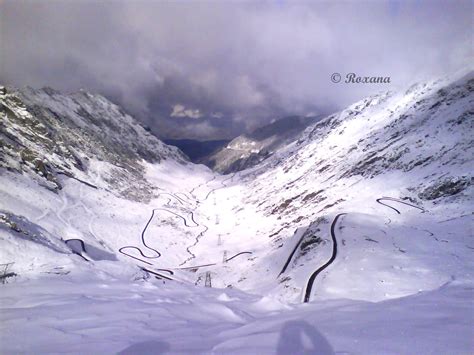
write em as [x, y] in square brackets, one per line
[297, 337]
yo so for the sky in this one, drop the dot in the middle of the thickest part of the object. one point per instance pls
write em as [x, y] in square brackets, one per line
[212, 70]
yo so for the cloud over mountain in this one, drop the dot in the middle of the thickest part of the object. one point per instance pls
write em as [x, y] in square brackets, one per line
[228, 66]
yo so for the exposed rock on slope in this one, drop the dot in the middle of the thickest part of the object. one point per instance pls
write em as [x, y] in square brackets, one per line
[248, 150]
[425, 134]
[416, 146]
[46, 133]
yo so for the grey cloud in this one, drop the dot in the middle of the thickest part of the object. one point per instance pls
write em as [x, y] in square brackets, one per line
[239, 64]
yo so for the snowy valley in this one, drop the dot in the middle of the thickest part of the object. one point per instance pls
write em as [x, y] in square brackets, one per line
[355, 238]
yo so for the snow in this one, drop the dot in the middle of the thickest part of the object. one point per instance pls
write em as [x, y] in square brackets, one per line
[402, 283]
[102, 314]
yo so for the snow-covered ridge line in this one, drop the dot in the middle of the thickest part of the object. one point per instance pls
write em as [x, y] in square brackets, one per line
[397, 165]
[414, 145]
[46, 133]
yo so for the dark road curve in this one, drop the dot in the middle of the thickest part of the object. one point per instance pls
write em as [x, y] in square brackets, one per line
[185, 221]
[291, 256]
[236, 255]
[313, 276]
[179, 199]
[121, 250]
[196, 266]
[192, 219]
[399, 201]
[159, 275]
[223, 183]
[198, 186]
[158, 254]
[182, 193]
[69, 175]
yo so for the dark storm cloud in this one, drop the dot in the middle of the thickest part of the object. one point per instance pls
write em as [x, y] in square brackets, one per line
[226, 67]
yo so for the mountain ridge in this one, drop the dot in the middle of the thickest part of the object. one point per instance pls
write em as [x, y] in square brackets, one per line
[49, 133]
[367, 213]
[249, 149]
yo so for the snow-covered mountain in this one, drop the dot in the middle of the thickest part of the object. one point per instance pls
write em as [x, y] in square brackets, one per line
[371, 207]
[415, 146]
[46, 133]
[247, 150]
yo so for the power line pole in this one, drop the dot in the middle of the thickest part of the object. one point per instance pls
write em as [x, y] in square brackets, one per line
[208, 279]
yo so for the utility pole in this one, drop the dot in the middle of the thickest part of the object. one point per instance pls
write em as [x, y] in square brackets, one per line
[219, 240]
[208, 279]
[224, 258]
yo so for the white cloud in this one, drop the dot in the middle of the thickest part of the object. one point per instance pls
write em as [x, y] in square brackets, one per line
[181, 111]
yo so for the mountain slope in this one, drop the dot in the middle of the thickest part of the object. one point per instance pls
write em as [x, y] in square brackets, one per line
[46, 133]
[248, 150]
[415, 146]
[374, 202]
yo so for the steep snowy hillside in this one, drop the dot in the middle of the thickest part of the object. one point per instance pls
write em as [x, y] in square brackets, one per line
[112, 243]
[77, 177]
[46, 134]
[247, 150]
[398, 166]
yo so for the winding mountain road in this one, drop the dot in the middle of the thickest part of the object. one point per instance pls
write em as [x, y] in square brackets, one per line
[143, 240]
[158, 275]
[379, 200]
[223, 184]
[188, 249]
[313, 276]
[287, 263]
[179, 199]
[238, 254]
[145, 257]
[201, 184]
[156, 253]
[200, 235]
